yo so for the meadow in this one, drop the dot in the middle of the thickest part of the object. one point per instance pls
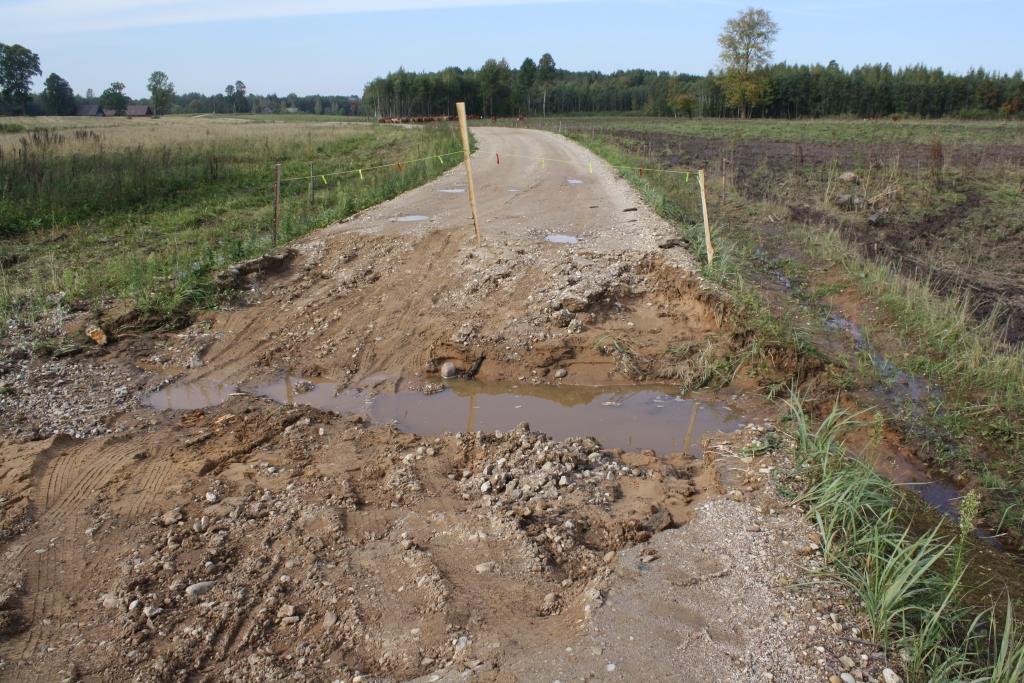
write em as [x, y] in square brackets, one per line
[147, 210]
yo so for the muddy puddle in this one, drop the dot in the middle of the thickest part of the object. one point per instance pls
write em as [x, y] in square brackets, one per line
[631, 418]
[409, 219]
[199, 394]
[562, 239]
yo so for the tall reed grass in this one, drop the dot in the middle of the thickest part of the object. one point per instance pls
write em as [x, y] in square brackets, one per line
[920, 608]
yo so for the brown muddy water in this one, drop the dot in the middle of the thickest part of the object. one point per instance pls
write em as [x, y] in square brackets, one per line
[632, 418]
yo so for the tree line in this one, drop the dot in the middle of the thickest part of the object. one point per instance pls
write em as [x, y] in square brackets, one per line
[19, 66]
[787, 91]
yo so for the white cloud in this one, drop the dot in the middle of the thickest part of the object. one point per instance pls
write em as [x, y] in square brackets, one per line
[47, 17]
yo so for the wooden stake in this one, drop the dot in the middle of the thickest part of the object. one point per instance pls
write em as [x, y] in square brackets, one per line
[277, 197]
[464, 129]
[312, 185]
[707, 225]
[723, 182]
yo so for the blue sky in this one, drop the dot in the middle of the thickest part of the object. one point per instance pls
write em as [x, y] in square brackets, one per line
[336, 46]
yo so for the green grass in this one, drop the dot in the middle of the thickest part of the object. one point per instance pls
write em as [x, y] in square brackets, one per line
[919, 591]
[146, 211]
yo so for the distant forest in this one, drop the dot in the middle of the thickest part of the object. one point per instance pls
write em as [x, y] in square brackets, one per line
[496, 89]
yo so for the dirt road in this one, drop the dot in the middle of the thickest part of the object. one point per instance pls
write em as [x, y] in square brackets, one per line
[251, 540]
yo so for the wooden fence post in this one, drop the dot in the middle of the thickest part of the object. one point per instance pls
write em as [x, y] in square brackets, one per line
[277, 198]
[464, 129]
[723, 181]
[707, 225]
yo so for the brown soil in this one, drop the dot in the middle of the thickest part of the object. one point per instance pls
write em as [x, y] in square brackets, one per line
[918, 246]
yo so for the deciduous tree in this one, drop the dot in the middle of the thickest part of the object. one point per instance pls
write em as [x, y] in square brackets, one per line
[161, 90]
[746, 55]
[113, 98]
[17, 67]
[58, 98]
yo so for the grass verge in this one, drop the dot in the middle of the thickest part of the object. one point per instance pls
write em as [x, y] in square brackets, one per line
[145, 212]
[919, 605]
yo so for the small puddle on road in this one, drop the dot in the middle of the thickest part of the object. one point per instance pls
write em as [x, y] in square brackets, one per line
[631, 418]
[575, 182]
[455, 191]
[409, 219]
[561, 239]
[189, 396]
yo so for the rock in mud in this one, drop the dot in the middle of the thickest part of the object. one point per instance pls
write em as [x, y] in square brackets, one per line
[97, 335]
[485, 567]
[671, 243]
[560, 373]
[449, 370]
[660, 520]
[201, 588]
[848, 177]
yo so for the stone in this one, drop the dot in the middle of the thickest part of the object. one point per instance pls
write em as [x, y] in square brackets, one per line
[286, 611]
[330, 619]
[875, 219]
[201, 588]
[562, 317]
[485, 567]
[846, 662]
[211, 497]
[560, 373]
[551, 598]
[97, 335]
[671, 243]
[110, 601]
[752, 528]
[171, 517]
[609, 556]
[847, 678]
[449, 370]
[735, 495]
[464, 333]
[890, 676]
[844, 201]
[151, 611]
[834, 679]
[575, 326]
[848, 177]
[837, 628]
[289, 621]
[660, 520]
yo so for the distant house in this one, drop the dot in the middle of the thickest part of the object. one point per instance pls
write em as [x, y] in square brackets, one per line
[267, 110]
[89, 110]
[139, 110]
[109, 112]
[292, 110]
